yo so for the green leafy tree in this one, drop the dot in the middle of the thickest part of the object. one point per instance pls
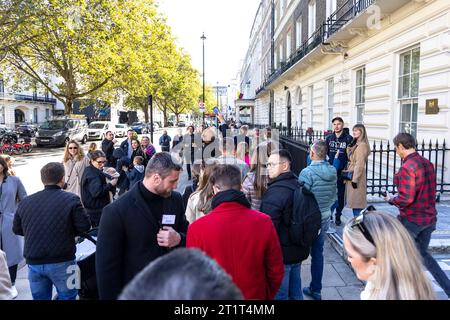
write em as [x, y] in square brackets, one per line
[81, 48]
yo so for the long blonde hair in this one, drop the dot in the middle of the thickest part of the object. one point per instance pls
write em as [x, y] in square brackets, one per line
[205, 188]
[363, 137]
[80, 154]
[399, 273]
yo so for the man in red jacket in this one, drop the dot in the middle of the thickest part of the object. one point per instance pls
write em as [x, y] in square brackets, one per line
[243, 241]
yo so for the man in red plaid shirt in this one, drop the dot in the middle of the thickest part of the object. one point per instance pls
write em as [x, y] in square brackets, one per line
[416, 200]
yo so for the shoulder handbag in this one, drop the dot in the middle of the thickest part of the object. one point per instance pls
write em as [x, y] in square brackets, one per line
[348, 174]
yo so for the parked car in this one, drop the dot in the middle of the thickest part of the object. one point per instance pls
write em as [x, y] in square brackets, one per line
[181, 124]
[120, 130]
[59, 132]
[97, 130]
[26, 130]
[7, 135]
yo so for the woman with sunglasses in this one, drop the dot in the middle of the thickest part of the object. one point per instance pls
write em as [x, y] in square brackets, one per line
[383, 254]
[75, 162]
[95, 191]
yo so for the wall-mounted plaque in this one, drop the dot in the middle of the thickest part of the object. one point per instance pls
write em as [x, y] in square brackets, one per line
[432, 106]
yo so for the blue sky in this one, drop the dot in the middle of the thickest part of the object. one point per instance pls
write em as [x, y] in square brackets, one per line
[226, 24]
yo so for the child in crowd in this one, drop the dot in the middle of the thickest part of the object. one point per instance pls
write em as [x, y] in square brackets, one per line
[137, 173]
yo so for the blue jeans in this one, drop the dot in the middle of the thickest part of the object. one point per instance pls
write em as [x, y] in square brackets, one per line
[292, 283]
[43, 276]
[317, 260]
[356, 212]
[340, 202]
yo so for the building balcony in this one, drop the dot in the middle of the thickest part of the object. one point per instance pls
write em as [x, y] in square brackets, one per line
[344, 24]
[24, 97]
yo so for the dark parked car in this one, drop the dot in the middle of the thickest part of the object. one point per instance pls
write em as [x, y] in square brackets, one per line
[139, 127]
[59, 132]
[26, 130]
[144, 128]
[8, 136]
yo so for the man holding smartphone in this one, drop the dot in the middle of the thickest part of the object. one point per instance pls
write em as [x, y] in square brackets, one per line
[416, 200]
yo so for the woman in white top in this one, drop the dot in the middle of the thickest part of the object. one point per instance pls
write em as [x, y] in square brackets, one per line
[74, 164]
[382, 252]
[199, 203]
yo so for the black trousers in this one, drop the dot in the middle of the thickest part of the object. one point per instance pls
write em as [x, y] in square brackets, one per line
[13, 274]
[189, 172]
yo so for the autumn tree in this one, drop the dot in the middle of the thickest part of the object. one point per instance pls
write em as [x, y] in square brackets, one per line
[77, 48]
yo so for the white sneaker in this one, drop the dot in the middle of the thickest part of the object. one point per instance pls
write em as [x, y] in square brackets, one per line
[14, 292]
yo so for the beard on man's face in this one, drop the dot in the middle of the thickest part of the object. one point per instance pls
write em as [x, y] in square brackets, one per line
[163, 192]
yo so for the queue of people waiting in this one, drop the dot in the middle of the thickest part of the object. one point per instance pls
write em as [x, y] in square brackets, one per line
[240, 205]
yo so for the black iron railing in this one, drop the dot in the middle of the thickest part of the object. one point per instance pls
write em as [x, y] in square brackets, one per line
[382, 163]
[348, 11]
[36, 98]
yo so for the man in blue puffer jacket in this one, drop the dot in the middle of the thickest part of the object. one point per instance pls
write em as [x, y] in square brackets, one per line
[320, 178]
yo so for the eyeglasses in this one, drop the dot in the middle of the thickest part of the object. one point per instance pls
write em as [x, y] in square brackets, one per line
[269, 164]
[73, 148]
[359, 222]
[100, 162]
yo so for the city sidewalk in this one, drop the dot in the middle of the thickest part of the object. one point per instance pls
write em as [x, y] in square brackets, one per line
[439, 244]
[339, 281]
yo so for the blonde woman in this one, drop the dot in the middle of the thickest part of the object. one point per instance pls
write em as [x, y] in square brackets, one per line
[199, 203]
[256, 180]
[75, 162]
[382, 252]
[358, 153]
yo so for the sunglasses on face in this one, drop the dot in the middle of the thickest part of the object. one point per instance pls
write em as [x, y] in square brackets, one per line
[359, 223]
[101, 162]
[73, 148]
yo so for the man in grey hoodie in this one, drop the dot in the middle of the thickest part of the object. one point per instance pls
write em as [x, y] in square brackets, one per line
[320, 178]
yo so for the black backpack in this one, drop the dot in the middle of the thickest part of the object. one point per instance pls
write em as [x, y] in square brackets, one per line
[306, 219]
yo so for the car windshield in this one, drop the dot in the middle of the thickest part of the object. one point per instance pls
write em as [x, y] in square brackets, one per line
[120, 126]
[96, 126]
[54, 125]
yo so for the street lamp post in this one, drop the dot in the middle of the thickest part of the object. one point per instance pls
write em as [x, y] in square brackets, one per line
[203, 99]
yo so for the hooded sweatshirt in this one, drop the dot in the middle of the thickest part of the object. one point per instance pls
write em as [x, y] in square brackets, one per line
[135, 175]
[320, 178]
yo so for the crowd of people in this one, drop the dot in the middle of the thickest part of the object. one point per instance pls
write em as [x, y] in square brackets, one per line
[237, 212]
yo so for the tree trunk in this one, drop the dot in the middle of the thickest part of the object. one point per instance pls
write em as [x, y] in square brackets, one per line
[68, 106]
[178, 117]
[145, 108]
[166, 123]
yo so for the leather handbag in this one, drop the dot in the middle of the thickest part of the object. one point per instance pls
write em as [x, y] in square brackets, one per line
[347, 175]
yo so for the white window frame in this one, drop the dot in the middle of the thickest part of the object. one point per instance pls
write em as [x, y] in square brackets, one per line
[281, 58]
[298, 32]
[408, 121]
[360, 104]
[331, 7]
[288, 45]
[330, 101]
[311, 19]
[311, 106]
